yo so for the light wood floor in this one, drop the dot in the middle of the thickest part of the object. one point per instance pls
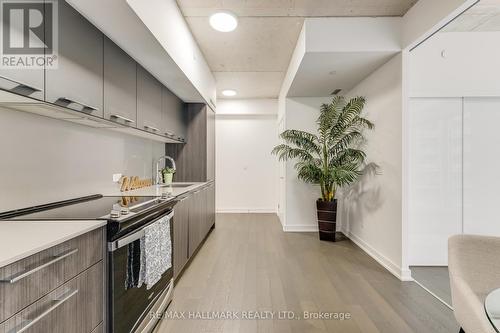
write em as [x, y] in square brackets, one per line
[249, 264]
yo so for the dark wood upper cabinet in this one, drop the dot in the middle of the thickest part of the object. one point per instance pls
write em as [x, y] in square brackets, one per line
[120, 85]
[77, 82]
[210, 144]
[196, 159]
[23, 81]
[149, 111]
[26, 82]
[174, 115]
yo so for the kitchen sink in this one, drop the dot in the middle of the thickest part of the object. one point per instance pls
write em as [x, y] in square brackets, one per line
[178, 185]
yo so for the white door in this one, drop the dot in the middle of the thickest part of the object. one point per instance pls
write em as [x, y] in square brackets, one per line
[435, 178]
[481, 166]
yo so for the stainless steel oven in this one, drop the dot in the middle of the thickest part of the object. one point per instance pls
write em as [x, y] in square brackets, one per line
[130, 309]
[136, 309]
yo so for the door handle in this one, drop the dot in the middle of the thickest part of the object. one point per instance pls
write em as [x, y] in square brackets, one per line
[58, 302]
[72, 101]
[117, 116]
[151, 128]
[19, 276]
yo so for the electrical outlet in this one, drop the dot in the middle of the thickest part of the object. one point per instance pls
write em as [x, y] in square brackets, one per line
[116, 177]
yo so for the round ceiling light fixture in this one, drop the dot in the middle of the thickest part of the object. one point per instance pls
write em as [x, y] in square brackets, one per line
[229, 92]
[223, 21]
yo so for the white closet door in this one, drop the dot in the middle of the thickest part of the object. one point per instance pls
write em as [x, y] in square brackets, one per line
[481, 166]
[435, 184]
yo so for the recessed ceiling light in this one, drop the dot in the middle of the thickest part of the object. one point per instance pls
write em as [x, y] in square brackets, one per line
[223, 21]
[229, 92]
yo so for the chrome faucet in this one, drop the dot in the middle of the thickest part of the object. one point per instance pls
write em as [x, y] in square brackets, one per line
[166, 158]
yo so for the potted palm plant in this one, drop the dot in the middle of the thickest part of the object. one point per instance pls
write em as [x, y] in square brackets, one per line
[332, 157]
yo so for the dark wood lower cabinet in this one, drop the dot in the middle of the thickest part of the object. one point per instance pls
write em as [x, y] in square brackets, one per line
[60, 289]
[193, 219]
[75, 255]
[195, 222]
[75, 307]
[210, 206]
[181, 229]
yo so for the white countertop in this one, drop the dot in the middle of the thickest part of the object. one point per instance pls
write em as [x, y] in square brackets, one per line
[158, 190]
[20, 239]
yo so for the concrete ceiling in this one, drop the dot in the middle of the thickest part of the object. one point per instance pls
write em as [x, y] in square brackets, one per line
[254, 58]
[484, 16]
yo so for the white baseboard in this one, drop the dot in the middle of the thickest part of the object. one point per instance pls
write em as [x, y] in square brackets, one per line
[300, 228]
[394, 269]
[246, 210]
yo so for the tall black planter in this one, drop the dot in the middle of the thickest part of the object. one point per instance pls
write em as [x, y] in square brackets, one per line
[327, 218]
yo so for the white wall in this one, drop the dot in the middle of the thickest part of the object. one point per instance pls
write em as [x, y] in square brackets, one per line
[300, 215]
[246, 172]
[45, 160]
[371, 211]
[456, 64]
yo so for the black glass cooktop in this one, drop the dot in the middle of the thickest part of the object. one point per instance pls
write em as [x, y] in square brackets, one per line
[95, 207]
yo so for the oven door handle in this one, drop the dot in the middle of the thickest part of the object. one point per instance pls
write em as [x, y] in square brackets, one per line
[125, 240]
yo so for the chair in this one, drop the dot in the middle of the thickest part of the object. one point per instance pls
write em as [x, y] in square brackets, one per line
[474, 266]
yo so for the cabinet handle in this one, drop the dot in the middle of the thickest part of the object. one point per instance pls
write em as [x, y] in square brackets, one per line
[19, 276]
[21, 84]
[151, 128]
[125, 240]
[117, 116]
[57, 303]
[72, 101]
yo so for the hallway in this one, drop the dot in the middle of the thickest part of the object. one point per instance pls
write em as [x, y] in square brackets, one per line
[250, 267]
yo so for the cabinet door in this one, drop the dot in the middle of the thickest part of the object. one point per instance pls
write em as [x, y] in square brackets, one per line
[181, 220]
[210, 144]
[23, 81]
[149, 114]
[174, 121]
[74, 256]
[75, 307]
[210, 206]
[194, 222]
[203, 218]
[77, 82]
[120, 85]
